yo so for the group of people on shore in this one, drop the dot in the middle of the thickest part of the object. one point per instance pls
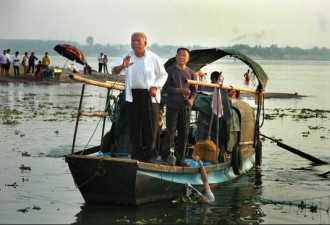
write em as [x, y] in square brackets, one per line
[27, 62]
[103, 63]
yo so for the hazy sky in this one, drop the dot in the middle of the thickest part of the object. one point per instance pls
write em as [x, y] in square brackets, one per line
[211, 23]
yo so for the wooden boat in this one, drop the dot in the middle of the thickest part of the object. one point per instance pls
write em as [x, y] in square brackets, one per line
[117, 179]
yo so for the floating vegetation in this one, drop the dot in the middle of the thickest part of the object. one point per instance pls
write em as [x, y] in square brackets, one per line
[185, 199]
[124, 220]
[297, 114]
[149, 221]
[56, 132]
[51, 119]
[26, 154]
[25, 210]
[305, 134]
[23, 167]
[36, 207]
[8, 121]
[12, 185]
[270, 116]
[315, 127]
[181, 221]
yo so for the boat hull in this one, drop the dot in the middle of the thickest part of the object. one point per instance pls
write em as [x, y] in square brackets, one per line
[106, 180]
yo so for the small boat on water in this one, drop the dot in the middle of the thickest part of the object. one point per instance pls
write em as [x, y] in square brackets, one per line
[111, 177]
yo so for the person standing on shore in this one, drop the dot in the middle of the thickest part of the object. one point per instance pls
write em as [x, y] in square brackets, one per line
[25, 63]
[100, 60]
[3, 61]
[180, 98]
[32, 59]
[7, 67]
[46, 60]
[105, 64]
[145, 76]
[16, 60]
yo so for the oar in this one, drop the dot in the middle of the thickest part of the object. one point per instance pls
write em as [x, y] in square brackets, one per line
[223, 86]
[296, 151]
[325, 175]
[97, 83]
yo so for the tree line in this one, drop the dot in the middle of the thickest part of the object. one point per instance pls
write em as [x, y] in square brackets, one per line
[165, 51]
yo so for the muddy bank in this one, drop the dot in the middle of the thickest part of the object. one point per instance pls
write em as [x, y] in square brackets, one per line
[63, 78]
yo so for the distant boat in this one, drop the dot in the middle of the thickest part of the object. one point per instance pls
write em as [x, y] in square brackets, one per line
[117, 179]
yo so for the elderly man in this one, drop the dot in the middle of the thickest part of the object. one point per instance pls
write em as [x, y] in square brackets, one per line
[145, 75]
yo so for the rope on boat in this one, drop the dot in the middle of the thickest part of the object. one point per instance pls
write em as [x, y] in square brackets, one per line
[99, 172]
[112, 108]
[113, 111]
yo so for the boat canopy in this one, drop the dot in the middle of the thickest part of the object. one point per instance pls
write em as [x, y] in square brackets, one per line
[203, 57]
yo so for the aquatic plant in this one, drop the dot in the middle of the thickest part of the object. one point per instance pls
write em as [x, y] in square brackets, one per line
[26, 154]
[25, 210]
[124, 220]
[185, 199]
[149, 221]
[12, 185]
[23, 167]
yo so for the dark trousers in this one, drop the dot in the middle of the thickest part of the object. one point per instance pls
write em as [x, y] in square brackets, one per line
[176, 119]
[16, 71]
[143, 124]
[100, 67]
[105, 67]
[31, 67]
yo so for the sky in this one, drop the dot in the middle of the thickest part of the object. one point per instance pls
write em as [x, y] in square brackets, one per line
[208, 23]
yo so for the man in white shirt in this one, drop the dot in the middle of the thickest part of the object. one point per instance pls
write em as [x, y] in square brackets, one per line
[7, 67]
[100, 61]
[16, 60]
[3, 62]
[145, 75]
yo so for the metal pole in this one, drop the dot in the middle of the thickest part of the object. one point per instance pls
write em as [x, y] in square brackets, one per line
[104, 118]
[78, 117]
[217, 140]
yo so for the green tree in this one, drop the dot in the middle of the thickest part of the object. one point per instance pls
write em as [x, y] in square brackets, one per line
[90, 40]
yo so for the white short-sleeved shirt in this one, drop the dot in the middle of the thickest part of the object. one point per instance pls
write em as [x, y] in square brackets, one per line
[16, 58]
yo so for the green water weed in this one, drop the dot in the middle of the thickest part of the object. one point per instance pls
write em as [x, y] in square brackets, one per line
[23, 167]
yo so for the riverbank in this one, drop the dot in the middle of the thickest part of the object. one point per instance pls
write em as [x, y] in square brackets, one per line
[63, 78]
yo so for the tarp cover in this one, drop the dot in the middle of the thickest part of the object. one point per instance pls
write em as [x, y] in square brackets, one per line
[203, 57]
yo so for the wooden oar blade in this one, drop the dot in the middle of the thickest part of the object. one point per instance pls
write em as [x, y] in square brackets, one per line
[296, 151]
[300, 153]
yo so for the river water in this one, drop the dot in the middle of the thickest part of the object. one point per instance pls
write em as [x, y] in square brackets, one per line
[37, 125]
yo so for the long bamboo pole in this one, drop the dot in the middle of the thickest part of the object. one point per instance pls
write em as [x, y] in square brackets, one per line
[78, 117]
[222, 86]
[97, 83]
[101, 114]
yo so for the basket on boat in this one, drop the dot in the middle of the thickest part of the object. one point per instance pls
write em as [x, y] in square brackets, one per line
[205, 149]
